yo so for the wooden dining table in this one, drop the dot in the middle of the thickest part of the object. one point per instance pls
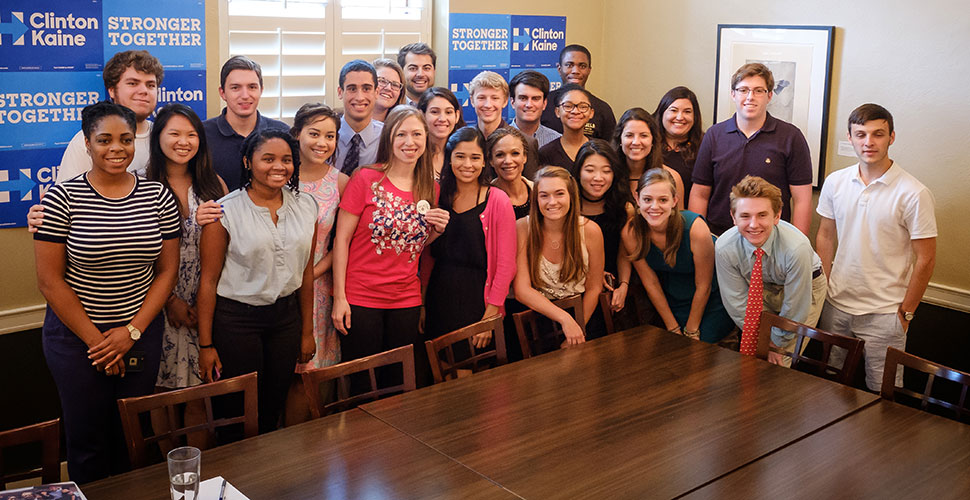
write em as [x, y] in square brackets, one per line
[638, 414]
[349, 455]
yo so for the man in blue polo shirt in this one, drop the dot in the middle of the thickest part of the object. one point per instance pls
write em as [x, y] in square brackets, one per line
[240, 86]
[752, 142]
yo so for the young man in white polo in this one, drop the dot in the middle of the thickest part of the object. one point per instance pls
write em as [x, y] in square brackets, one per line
[765, 263]
[882, 221]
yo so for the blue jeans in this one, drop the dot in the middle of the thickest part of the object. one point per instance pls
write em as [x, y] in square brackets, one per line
[95, 440]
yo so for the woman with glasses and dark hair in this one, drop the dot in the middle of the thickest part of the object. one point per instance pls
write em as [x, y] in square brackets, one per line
[390, 87]
[442, 112]
[255, 296]
[679, 119]
[477, 251]
[575, 110]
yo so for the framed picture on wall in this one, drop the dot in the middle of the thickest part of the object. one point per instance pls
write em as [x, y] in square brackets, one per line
[800, 59]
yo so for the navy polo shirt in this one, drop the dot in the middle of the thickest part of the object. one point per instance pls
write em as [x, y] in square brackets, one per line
[225, 145]
[778, 153]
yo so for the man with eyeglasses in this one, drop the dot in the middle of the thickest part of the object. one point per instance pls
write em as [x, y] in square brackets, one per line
[359, 133]
[574, 67]
[752, 142]
[418, 62]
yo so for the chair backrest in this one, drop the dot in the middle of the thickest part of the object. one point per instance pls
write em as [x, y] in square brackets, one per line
[896, 358]
[532, 339]
[131, 410]
[606, 305]
[48, 434]
[820, 367]
[445, 363]
[343, 372]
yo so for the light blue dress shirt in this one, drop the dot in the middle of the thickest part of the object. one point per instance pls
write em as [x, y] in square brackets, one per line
[788, 263]
[370, 136]
[544, 135]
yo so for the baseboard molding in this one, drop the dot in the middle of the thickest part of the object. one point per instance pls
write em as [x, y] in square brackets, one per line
[22, 318]
[947, 296]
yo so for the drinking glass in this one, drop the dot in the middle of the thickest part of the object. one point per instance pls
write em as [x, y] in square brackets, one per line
[183, 470]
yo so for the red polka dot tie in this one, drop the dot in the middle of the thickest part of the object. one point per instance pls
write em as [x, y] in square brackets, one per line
[752, 311]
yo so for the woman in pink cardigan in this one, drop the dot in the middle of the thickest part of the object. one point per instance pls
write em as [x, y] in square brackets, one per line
[474, 259]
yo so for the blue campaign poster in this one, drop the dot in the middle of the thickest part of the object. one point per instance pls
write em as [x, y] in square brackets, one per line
[173, 31]
[537, 40]
[43, 110]
[458, 83]
[479, 41]
[24, 177]
[186, 87]
[50, 35]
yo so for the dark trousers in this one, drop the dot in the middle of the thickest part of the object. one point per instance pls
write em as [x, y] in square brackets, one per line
[95, 440]
[378, 330]
[261, 339]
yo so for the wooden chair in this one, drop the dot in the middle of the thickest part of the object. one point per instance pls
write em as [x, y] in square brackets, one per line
[441, 351]
[48, 434]
[606, 305]
[896, 358]
[820, 367]
[131, 410]
[312, 379]
[527, 326]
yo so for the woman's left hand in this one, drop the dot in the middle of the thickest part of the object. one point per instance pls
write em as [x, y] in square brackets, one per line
[110, 351]
[619, 297]
[308, 348]
[437, 218]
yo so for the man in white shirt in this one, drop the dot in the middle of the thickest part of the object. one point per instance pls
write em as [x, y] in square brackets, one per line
[131, 78]
[880, 217]
[418, 62]
[530, 91]
[359, 134]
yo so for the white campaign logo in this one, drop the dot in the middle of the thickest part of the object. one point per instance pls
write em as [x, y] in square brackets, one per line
[47, 29]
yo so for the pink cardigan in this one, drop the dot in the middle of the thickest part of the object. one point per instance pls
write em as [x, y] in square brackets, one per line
[498, 224]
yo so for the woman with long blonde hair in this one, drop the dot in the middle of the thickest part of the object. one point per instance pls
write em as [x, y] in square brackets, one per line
[388, 213]
[560, 252]
[673, 253]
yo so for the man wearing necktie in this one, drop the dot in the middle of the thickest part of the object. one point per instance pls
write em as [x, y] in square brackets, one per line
[765, 263]
[357, 139]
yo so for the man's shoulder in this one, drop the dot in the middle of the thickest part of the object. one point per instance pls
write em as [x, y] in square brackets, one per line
[785, 128]
[267, 123]
[727, 241]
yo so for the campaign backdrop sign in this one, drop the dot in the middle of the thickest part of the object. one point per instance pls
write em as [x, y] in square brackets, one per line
[43, 110]
[52, 53]
[173, 30]
[50, 35]
[458, 83]
[505, 44]
[537, 40]
[24, 177]
[186, 87]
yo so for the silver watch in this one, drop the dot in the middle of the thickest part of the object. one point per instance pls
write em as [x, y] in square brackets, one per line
[908, 316]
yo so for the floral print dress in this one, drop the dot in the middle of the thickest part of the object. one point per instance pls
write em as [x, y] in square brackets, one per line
[327, 196]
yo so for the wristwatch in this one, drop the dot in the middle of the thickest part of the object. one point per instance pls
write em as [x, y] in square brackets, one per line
[908, 316]
[133, 332]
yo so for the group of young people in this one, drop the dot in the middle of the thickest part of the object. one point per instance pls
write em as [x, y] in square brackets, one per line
[176, 252]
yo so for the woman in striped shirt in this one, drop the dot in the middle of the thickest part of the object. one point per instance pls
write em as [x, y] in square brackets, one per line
[107, 258]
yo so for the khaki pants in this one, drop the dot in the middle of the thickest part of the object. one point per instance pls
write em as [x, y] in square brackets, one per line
[774, 296]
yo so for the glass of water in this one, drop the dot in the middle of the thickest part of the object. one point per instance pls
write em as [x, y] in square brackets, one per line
[183, 470]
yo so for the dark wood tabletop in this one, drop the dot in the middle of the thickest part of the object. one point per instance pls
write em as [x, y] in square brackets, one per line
[348, 455]
[641, 413]
[884, 451]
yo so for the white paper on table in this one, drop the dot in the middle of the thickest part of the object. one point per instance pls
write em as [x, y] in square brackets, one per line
[209, 490]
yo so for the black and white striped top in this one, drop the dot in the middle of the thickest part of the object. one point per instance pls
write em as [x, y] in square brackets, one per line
[112, 243]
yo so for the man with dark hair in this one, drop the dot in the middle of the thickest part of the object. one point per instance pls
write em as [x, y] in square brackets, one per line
[752, 142]
[359, 134]
[131, 79]
[882, 220]
[529, 91]
[575, 64]
[418, 62]
[763, 262]
[240, 86]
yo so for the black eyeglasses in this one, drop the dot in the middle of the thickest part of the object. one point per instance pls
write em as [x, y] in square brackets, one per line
[384, 82]
[569, 107]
